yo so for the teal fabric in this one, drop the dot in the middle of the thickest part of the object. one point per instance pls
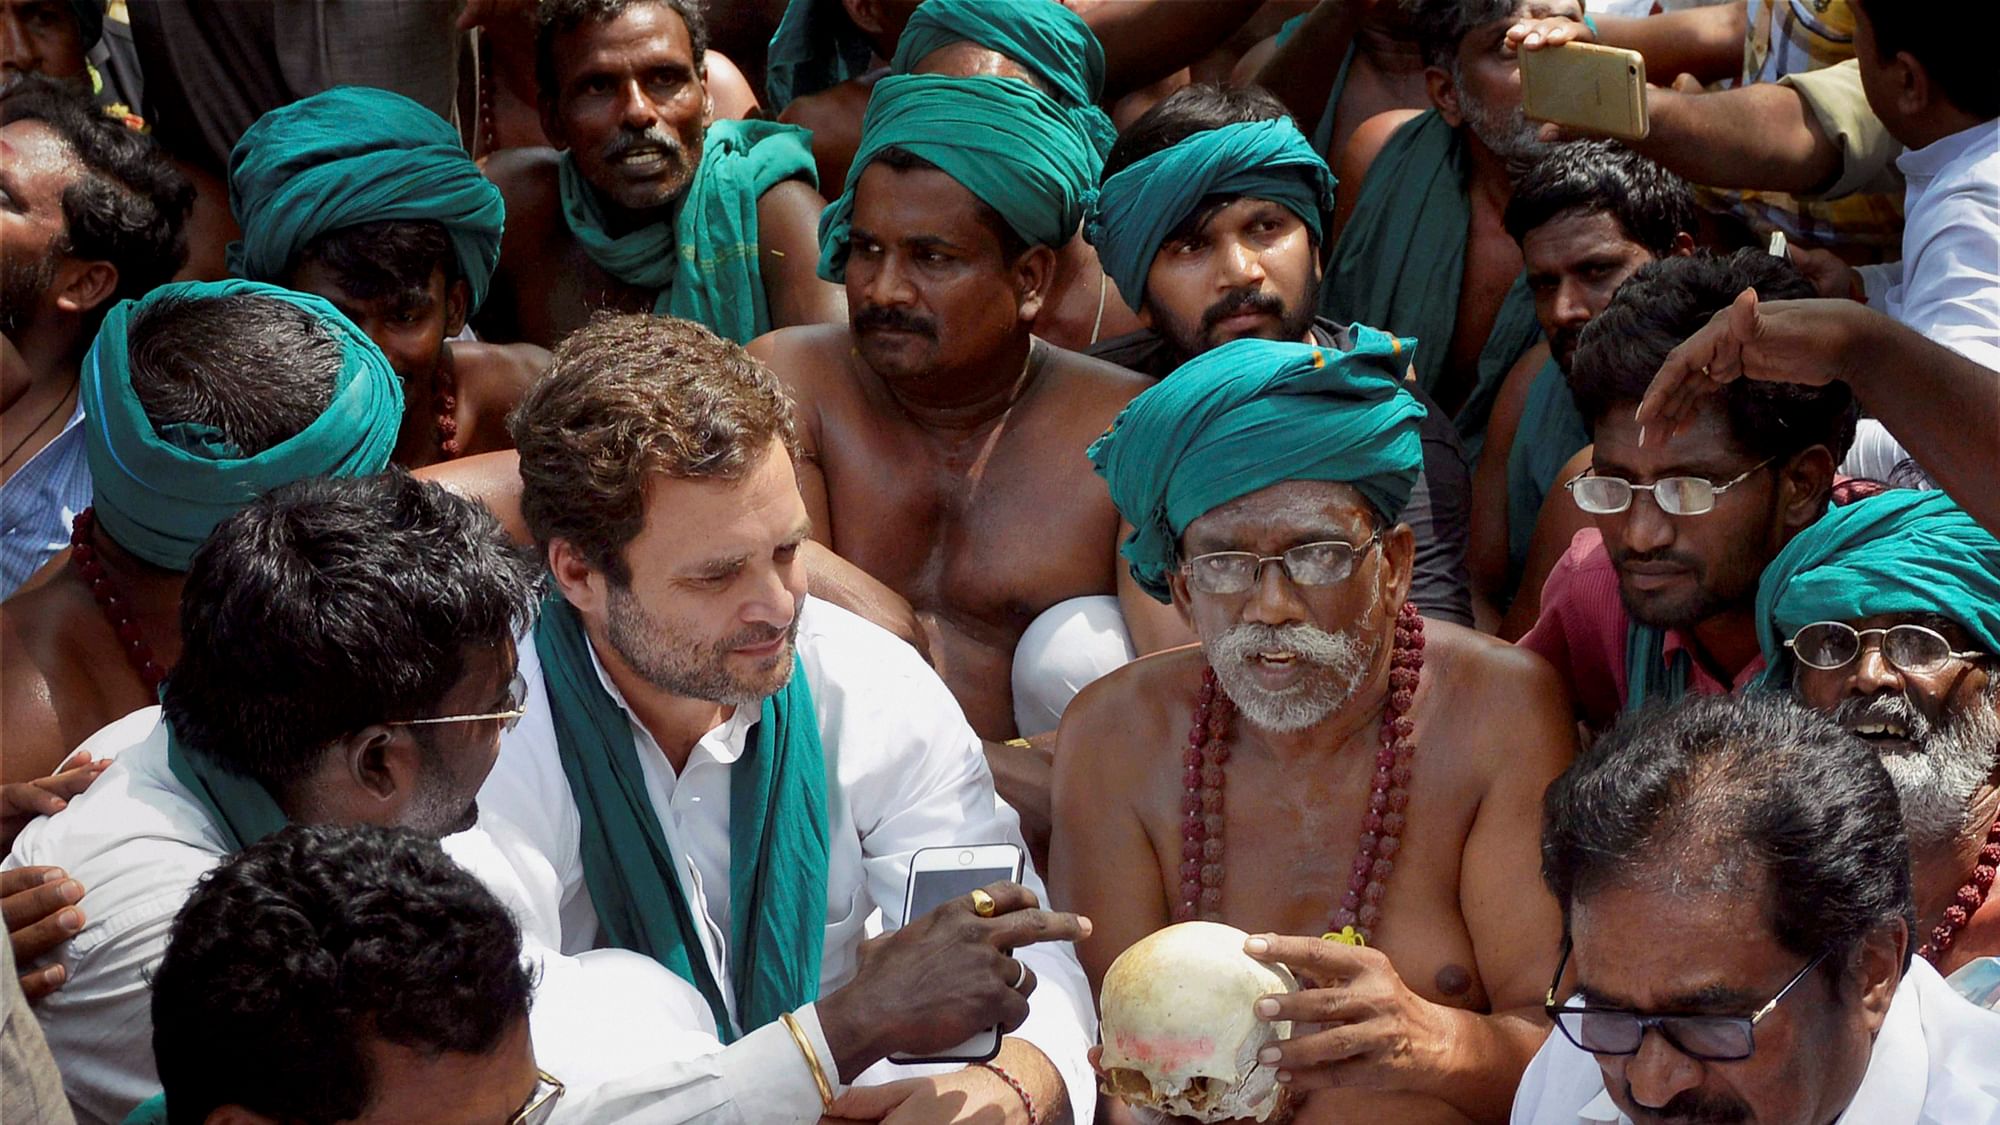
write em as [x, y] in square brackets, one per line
[1550, 432]
[1322, 134]
[778, 844]
[1042, 35]
[239, 807]
[815, 46]
[160, 492]
[1650, 677]
[1007, 143]
[703, 261]
[1902, 551]
[1137, 208]
[353, 155]
[152, 1111]
[1251, 414]
[1401, 260]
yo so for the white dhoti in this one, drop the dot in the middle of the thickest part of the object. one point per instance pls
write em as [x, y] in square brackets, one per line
[1068, 646]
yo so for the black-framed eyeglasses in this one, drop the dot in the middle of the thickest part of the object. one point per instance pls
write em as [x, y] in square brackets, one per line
[517, 706]
[1307, 565]
[541, 1105]
[1676, 496]
[1616, 1031]
[1833, 645]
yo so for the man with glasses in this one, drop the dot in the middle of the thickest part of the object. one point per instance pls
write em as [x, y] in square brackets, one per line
[345, 974]
[1737, 903]
[1657, 599]
[1885, 615]
[1324, 762]
[346, 658]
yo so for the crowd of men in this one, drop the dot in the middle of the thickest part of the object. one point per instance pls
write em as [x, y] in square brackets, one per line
[516, 527]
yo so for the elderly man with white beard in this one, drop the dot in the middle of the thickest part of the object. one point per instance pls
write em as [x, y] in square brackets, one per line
[1263, 480]
[1886, 615]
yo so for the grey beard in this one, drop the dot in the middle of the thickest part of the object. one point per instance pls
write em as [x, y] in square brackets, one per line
[1335, 663]
[1938, 780]
[1510, 135]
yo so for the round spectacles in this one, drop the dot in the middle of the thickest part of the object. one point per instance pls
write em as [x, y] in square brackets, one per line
[1308, 565]
[1832, 645]
[1676, 496]
[517, 706]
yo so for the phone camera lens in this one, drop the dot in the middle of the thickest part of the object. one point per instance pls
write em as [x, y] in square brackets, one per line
[964, 857]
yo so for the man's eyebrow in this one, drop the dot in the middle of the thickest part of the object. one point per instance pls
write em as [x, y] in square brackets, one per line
[717, 567]
[1714, 999]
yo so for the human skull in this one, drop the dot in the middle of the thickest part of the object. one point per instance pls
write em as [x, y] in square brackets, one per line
[1179, 1026]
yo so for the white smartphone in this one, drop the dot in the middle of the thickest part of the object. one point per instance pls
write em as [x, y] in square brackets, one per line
[938, 875]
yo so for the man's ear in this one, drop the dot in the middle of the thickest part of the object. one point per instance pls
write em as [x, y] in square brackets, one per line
[866, 15]
[1910, 84]
[1034, 274]
[1183, 602]
[384, 764]
[1878, 969]
[582, 585]
[81, 286]
[1399, 553]
[1805, 482]
[1444, 95]
[1683, 246]
[457, 306]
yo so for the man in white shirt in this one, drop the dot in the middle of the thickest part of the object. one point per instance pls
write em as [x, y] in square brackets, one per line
[1735, 882]
[679, 665]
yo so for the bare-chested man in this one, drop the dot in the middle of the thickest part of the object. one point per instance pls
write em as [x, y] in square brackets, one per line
[943, 442]
[652, 205]
[1422, 249]
[1384, 774]
[364, 197]
[187, 418]
[1380, 68]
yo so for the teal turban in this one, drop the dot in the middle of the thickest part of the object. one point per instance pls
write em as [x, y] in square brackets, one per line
[1043, 36]
[354, 155]
[159, 492]
[1251, 414]
[815, 46]
[1004, 141]
[1902, 551]
[1136, 209]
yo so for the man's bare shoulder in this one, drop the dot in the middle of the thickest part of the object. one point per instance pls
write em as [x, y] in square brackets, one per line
[527, 177]
[498, 371]
[1521, 706]
[37, 642]
[1089, 384]
[1124, 721]
[807, 358]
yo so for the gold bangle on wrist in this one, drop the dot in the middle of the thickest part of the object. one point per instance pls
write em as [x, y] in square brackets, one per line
[812, 1059]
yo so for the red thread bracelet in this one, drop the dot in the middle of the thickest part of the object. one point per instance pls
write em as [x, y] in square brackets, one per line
[1014, 1084]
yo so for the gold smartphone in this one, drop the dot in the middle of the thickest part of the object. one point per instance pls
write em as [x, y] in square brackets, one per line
[1588, 87]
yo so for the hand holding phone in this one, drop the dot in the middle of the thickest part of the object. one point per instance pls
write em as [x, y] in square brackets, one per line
[938, 875]
[1587, 87]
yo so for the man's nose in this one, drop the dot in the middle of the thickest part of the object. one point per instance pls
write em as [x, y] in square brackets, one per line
[17, 47]
[635, 107]
[1871, 673]
[1242, 265]
[1572, 307]
[1646, 528]
[1274, 597]
[1660, 1072]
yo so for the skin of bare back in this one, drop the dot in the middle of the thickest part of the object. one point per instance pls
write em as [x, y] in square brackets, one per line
[1443, 1012]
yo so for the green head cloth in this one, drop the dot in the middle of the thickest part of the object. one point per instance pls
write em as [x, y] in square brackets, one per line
[159, 492]
[816, 46]
[1251, 414]
[1005, 141]
[1902, 551]
[1042, 35]
[353, 155]
[1138, 207]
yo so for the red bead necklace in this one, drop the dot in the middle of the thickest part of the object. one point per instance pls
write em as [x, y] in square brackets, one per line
[445, 401]
[1971, 896]
[112, 602]
[1381, 829]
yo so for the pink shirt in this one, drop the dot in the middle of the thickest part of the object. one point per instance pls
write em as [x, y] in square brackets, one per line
[1582, 632]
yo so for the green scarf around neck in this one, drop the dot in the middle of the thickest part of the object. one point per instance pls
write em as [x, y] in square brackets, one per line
[1550, 432]
[239, 807]
[701, 262]
[1649, 676]
[1400, 264]
[152, 1111]
[778, 843]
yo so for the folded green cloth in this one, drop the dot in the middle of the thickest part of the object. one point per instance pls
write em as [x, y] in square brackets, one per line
[816, 46]
[1042, 35]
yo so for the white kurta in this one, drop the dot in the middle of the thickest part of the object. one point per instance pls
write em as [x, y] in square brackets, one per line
[904, 771]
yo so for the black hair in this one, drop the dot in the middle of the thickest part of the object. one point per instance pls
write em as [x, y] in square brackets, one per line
[1758, 796]
[1653, 205]
[391, 258]
[1012, 245]
[329, 605]
[297, 951]
[1958, 59]
[257, 368]
[1441, 25]
[560, 17]
[130, 205]
[1180, 115]
[1665, 302]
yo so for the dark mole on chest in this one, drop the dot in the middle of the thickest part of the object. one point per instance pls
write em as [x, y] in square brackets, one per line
[1453, 980]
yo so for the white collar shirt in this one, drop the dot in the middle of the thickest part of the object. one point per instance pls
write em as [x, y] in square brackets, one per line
[1936, 1061]
[1947, 285]
[904, 771]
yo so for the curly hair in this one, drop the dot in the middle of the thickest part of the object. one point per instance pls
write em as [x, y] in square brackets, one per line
[625, 398]
[292, 955]
[1581, 178]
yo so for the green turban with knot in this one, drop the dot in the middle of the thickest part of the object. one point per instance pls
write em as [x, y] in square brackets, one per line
[1043, 36]
[1004, 141]
[1138, 207]
[1902, 551]
[353, 155]
[1251, 414]
[159, 491]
